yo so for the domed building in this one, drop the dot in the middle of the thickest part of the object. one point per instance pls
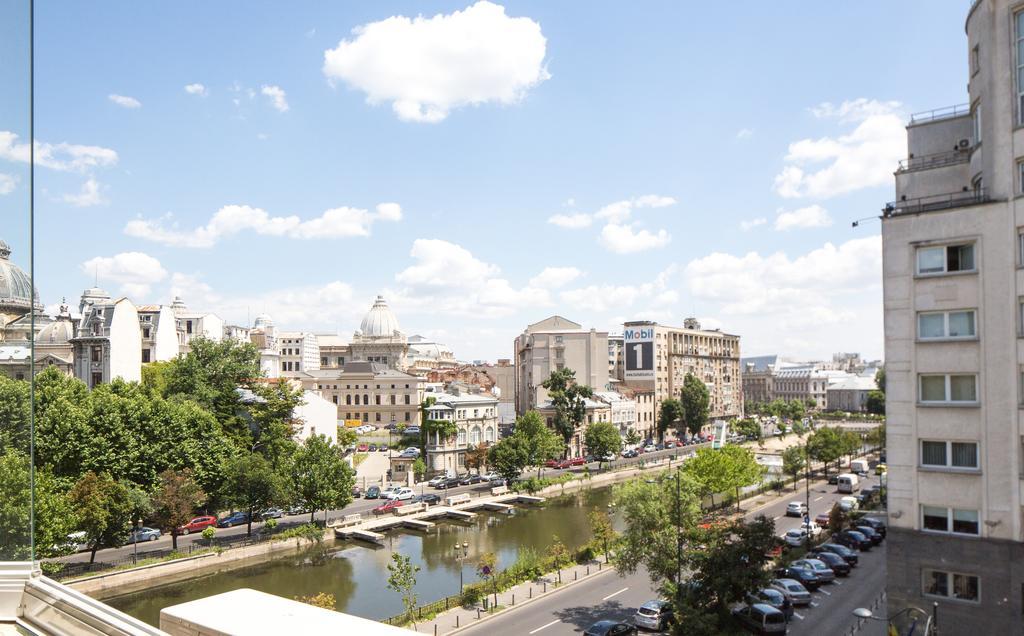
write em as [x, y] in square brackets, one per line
[380, 339]
[18, 297]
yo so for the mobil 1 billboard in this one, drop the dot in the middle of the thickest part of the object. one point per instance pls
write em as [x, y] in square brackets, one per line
[638, 345]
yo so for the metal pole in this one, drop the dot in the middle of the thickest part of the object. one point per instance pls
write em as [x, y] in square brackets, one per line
[679, 540]
[807, 490]
[935, 618]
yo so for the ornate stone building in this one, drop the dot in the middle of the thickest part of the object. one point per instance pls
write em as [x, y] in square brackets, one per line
[379, 339]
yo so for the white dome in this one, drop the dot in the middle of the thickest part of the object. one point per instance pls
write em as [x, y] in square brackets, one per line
[263, 321]
[379, 322]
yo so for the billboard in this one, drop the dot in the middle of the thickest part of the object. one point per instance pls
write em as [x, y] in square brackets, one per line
[638, 349]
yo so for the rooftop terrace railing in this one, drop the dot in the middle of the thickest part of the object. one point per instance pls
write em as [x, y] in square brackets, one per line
[936, 202]
[947, 112]
[937, 160]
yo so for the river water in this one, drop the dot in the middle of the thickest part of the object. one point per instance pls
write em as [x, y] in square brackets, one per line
[356, 574]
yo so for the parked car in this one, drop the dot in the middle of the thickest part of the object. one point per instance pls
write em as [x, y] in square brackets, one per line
[812, 528]
[234, 519]
[825, 573]
[796, 509]
[835, 562]
[373, 448]
[388, 506]
[273, 513]
[875, 524]
[848, 555]
[403, 494]
[848, 503]
[630, 453]
[373, 492]
[761, 618]
[853, 539]
[833, 479]
[670, 444]
[299, 509]
[144, 534]
[793, 590]
[774, 598]
[610, 628]
[449, 482]
[804, 576]
[429, 498]
[362, 448]
[654, 615]
[198, 524]
[551, 463]
[412, 430]
[795, 538]
[436, 480]
[493, 477]
[470, 480]
[383, 448]
[870, 533]
[357, 492]
[578, 461]
[823, 519]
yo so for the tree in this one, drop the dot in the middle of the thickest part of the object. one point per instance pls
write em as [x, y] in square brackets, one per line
[670, 415]
[880, 379]
[876, 436]
[14, 414]
[695, 400]
[103, 508]
[176, 500]
[741, 469]
[708, 469]
[402, 579]
[793, 462]
[749, 428]
[509, 457]
[558, 555]
[320, 477]
[632, 437]
[252, 484]
[851, 443]
[539, 442]
[569, 400]
[825, 445]
[419, 468]
[487, 569]
[476, 457]
[602, 439]
[54, 517]
[837, 518]
[601, 529]
[875, 402]
[796, 409]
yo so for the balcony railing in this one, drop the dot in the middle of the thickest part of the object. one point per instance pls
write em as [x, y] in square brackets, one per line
[936, 202]
[936, 114]
[937, 160]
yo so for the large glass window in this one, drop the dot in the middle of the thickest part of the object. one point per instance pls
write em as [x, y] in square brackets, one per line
[946, 258]
[962, 587]
[950, 520]
[937, 325]
[949, 454]
[952, 388]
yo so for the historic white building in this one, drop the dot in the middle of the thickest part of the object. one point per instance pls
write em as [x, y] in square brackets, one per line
[476, 418]
[380, 339]
[107, 342]
[622, 411]
[299, 352]
[191, 324]
[159, 333]
[316, 416]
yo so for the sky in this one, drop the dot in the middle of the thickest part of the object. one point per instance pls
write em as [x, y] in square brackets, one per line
[482, 166]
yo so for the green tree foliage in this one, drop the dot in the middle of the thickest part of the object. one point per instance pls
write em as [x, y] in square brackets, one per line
[14, 414]
[876, 436]
[104, 510]
[632, 437]
[876, 402]
[54, 517]
[569, 400]
[601, 439]
[601, 529]
[271, 423]
[796, 409]
[742, 468]
[793, 461]
[825, 445]
[253, 484]
[671, 415]
[880, 380]
[320, 477]
[696, 401]
[749, 428]
[538, 441]
[509, 457]
[177, 498]
[851, 443]
[487, 569]
[402, 579]
[729, 468]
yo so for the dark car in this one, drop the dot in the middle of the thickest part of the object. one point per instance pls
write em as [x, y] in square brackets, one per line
[761, 618]
[848, 555]
[357, 492]
[875, 524]
[382, 448]
[853, 539]
[837, 563]
[373, 492]
[630, 453]
[469, 480]
[373, 448]
[833, 480]
[234, 519]
[775, 598]
[805, 576]
[450, 482]
[823, 519]
[870, 533]
[610, 628]
[430, 499]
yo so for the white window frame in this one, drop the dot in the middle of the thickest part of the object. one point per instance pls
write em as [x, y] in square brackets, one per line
[976, 122]
[945, 325]
[945, 258]
[949, 521]
[947, 399]
[949, 455]
[949, 586]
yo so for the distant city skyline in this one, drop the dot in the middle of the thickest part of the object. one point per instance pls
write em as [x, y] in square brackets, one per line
[581, 161]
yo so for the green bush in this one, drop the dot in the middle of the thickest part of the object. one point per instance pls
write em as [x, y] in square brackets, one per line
[209, 532]
[586, 554]
[471, 595]
[310, 532]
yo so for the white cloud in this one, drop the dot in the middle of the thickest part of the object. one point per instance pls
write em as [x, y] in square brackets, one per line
[746, 226]
[7, 183]
[653, 201]
[571, 221]
[605, 297]
[441, 264]
[63, 156]
[124, 101]
[554, 277]
[427, 67]
[135, 272]
[626, 239]
[196, 89]
[863, 158]
[89, 195]
[341, 222]
[810, 216]
[744, 133]
[277, 96]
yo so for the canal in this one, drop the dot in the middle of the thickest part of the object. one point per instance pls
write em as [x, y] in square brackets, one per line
[356, 574]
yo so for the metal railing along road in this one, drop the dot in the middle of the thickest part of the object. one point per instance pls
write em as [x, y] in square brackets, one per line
[946, 112]
[936, 202]
[937, 160]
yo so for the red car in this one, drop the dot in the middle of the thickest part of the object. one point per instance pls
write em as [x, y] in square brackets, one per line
[577, 461]
[388, 506]
[198, 524]
[362, 448]
[822, 519]
[551, 463]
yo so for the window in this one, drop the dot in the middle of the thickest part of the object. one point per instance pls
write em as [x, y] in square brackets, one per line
[407, 398]
[946, 324]
[145, 333]
[145, 355]
[949, 454]
[97, 354]
[945, 258]
[953, 585]
[976, 122]
[188, 326]
[975, 61]
[334, 398]
[949, 520]
[950, 388]
[407, 416]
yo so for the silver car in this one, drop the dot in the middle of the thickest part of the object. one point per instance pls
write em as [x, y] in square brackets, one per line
[820, 568]
[653, 615]
[793, 590]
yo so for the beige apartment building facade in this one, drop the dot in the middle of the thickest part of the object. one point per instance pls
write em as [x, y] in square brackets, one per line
[557, 343]
[953, 254]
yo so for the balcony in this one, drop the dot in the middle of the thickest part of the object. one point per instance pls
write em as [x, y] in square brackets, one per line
[937, 160]
[936, 202]
[937, 114]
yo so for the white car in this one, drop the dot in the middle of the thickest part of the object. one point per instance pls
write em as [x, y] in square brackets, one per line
[795, 537]
[811, 527]
[403, 493]
[848, 504]
[796, 509]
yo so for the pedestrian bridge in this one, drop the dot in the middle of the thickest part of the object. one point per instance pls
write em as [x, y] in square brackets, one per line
[419, 516]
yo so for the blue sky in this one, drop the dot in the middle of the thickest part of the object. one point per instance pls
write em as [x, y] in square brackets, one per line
[715, 152]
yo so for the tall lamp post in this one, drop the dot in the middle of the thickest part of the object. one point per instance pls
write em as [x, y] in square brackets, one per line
[137, 526]
[931, 625]
[461, 551]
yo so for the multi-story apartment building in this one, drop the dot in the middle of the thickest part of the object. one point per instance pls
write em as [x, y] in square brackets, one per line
[615, 357]
[953, 261]
[370, 392]
[159, 333]
[622, 410]
[191, 324]
[107, 342]
[658, 358]
[552, 344]
[334, 351]
[299, 352]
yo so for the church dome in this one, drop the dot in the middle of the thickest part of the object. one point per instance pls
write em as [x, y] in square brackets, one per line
[379, 322]
[17, 296]
[263, 321]
[57, 332]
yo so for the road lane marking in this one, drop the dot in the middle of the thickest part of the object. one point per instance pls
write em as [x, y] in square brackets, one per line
[814, 604]
[615, 594]
[837, 582]
[825, 592]
[777, 518]
[820, 498]
[797, 614]
[555, 622]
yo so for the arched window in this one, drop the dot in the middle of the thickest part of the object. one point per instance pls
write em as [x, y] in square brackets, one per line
[348, 399]
[366, 399]
[489, 434]
[392, 398]
[474, 436]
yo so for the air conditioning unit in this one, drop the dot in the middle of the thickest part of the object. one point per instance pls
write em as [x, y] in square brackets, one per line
[963, 144]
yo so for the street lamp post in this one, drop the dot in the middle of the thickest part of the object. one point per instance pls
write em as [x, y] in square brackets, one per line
[135, 540]
[807, 494]
[461, 552]
[931, 626]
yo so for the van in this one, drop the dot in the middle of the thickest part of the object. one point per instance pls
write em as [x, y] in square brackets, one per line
[848, 482]
[859, 466]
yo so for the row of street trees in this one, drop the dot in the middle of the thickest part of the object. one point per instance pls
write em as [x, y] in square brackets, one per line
[688, 413]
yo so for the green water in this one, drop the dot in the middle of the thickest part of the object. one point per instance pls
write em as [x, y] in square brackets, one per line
[357, 574]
